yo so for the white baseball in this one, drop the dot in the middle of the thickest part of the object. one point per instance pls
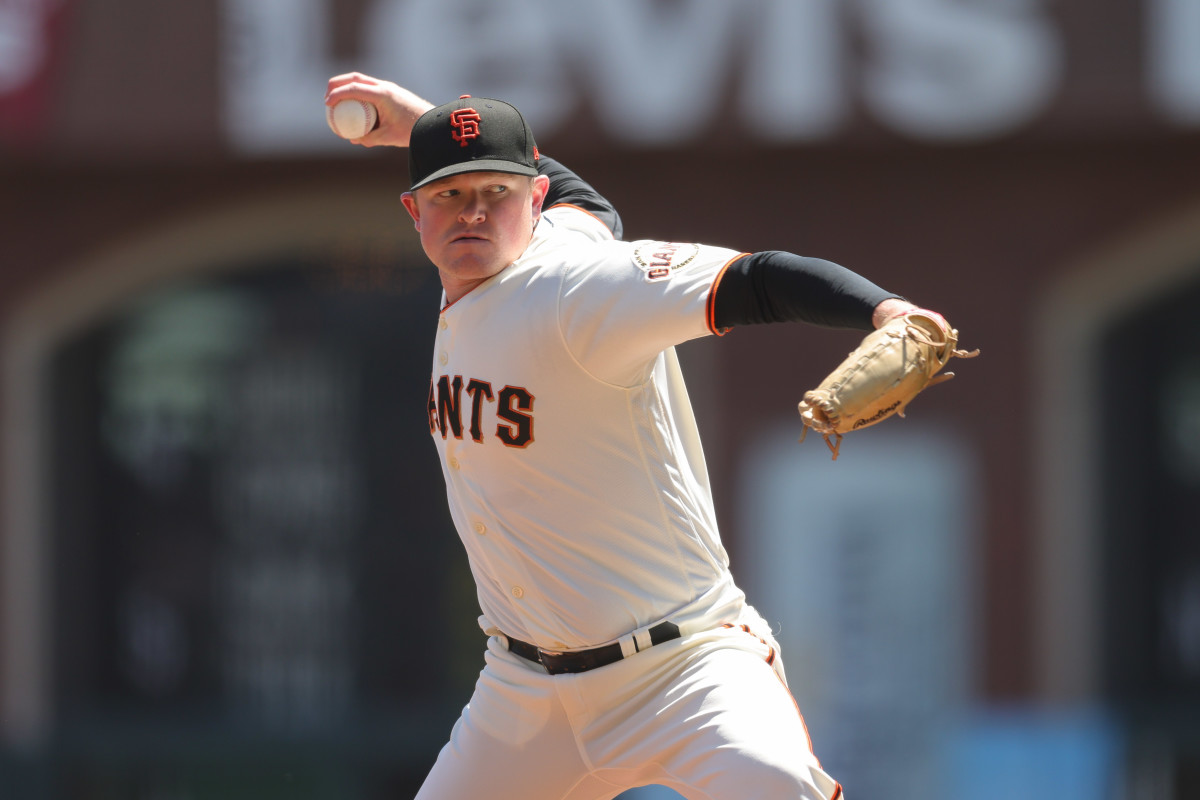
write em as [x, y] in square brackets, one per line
[351, 119]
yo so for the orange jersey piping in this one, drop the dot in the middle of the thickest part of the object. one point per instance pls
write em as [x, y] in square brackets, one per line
[584, 210]
[711, 307]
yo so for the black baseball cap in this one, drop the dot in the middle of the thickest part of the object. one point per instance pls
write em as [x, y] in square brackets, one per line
[470, 134]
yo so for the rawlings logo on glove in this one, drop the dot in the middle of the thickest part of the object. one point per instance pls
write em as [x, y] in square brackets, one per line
[881, 377]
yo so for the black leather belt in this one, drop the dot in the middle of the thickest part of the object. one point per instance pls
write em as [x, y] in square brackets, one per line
[582, 660]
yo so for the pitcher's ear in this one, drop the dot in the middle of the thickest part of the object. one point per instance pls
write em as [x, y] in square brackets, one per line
[410, 204]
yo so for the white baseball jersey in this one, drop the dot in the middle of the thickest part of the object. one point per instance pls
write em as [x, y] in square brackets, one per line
[573, 467]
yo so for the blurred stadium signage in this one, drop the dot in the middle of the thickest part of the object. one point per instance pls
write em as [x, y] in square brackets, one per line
[655, 73]
[30, 41]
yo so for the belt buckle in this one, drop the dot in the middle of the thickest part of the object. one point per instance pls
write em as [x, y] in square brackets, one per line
[543, 653]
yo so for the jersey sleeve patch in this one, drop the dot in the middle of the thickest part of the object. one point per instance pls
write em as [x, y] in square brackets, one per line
[659, 260]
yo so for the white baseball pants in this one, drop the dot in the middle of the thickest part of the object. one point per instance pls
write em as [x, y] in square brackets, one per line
[706, 715]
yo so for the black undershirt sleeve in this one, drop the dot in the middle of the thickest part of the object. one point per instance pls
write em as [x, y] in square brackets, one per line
[771, 286]
[774, 286]
[567, 187]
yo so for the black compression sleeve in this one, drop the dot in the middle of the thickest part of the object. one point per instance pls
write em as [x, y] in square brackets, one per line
[567, 187]
[774, 286]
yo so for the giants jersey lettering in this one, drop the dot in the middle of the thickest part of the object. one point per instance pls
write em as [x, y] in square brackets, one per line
[513, 407]
[573, 468]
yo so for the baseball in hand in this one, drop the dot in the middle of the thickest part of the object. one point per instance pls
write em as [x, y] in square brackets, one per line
[351, 119]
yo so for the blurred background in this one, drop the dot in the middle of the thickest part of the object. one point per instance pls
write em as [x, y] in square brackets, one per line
[226, 566]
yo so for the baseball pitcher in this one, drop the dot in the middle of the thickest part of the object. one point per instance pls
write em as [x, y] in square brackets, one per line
[620, 650]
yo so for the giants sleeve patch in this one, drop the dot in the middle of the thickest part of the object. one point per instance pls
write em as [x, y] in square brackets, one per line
[659, 259]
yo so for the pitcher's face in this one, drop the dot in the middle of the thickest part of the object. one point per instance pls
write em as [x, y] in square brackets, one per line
[475, 224]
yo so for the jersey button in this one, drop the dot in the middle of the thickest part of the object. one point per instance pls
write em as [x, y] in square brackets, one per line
[480, 528]
[442, 324]
[443, 358]
[453, 463]
[518, 592]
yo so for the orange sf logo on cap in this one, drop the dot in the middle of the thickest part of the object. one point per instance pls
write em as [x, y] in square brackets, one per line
[465, 125]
